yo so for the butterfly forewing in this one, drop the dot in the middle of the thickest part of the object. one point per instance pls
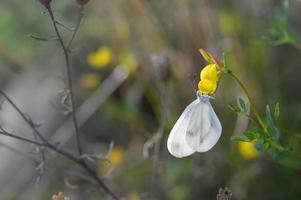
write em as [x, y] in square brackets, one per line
[199, 125]
[214, 133]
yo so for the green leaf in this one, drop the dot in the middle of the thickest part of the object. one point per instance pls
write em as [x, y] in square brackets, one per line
[269, 120]
[259, 146]
[225, 61]
[272, 128]
[277, 112]
[234, 108]
[242, 104]
[240, 138]
[266, 145]
[251, 135]
[262, 146]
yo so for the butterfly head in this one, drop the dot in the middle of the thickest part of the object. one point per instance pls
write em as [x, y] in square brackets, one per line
[203, 97]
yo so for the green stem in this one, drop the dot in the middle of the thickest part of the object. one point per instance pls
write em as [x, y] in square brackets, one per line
[258, 118]
[277, 146]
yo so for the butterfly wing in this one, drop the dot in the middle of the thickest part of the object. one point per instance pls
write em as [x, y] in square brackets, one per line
[210, 139]
[176, 143]
[198, 126]
[204, 128]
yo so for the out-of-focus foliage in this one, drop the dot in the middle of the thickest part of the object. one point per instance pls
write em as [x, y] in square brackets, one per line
[158, 42]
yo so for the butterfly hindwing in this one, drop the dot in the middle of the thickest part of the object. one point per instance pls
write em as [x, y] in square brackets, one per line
[176, 142]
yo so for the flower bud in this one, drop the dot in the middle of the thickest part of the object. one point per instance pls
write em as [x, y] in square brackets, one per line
[210, 58]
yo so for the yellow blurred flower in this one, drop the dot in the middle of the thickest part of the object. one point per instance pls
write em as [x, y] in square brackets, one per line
[115, 159]
[90, 80]
[209, 78]
[129, 62]
[247, 150]
[133, 196]
[104, 168]
[117, 156]
[101, 58]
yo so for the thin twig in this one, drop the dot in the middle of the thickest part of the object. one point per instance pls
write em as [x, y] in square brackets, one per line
[70, 86]
[3, 132]
[156, 156]
[68, 73]
[48, 145]
[23, 115]
[80, 18]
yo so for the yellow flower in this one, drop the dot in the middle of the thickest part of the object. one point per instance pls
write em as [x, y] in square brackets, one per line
[129, 62]
[210, 73]
[209, 79]
[101, 58]
[90, 80]
[116, 156]
[115, 159]
[247, 150]
[207, 87]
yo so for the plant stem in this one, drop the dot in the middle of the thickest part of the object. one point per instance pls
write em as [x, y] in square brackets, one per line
[244, 89]
[68, 74]
[80, 18]
[48, 145]
[69, 84]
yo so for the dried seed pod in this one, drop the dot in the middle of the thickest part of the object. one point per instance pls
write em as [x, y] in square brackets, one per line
[82, 2]
[60, 196]
[224, 194]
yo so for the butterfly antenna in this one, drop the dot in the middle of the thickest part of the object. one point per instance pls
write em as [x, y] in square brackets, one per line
[192, 82]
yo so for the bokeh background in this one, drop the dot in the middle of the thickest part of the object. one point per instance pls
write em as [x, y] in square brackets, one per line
[133, 62]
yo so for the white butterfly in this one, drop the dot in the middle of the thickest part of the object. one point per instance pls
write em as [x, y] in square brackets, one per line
[197, 130]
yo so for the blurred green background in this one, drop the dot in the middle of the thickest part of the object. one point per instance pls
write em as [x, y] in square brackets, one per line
[157, 43]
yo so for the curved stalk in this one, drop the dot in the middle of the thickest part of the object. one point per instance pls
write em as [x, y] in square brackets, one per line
[244, 89]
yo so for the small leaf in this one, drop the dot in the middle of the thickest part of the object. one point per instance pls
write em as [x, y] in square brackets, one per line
[251, 135]
[256, 129]
[225, 60]
[266, 145]
[277, 112]
[240, 138]
[272, 128]
[269, 120]
[234, 108]
[242, 104]
[259, 146]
